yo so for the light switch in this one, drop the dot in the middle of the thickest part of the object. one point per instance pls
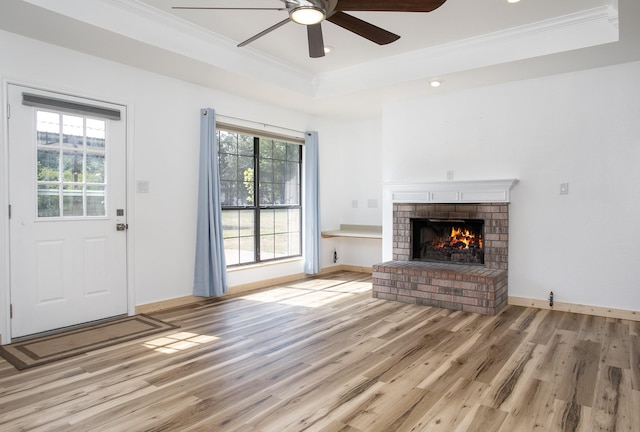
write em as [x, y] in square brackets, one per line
[564, 188]
[142, 186]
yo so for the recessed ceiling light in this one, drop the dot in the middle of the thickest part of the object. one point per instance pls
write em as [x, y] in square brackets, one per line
[435, 83]
[328, 49]
[513, 1]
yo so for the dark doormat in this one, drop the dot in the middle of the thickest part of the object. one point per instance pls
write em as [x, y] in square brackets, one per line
[42, 350]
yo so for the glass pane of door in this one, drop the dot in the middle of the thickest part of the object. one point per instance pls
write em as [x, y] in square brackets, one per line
[71, 153]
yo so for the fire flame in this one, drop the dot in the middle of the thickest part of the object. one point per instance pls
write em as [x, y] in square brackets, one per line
[458, 235]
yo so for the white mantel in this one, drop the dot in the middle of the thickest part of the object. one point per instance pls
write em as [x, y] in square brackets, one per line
[480, 191]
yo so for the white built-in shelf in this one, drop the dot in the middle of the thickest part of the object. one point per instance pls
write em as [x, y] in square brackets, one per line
[355, 231]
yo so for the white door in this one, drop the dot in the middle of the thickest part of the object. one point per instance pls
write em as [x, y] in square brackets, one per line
[67, 192]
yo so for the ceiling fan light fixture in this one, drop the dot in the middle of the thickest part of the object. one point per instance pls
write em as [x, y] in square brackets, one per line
[307, 15]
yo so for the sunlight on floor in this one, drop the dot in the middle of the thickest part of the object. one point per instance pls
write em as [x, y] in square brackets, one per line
[316, 299]
[173, 343]
[305, 293]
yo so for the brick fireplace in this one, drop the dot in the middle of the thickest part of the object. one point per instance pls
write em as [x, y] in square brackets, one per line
[453, 285]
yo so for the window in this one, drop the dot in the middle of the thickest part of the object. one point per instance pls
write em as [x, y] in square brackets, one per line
[261, 197]
[71, 153]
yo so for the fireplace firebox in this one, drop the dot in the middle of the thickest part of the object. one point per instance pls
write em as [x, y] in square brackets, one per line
[456, 241]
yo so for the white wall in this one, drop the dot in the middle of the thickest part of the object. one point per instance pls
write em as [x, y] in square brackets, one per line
[361, 166]
[165, 139]
[582, 128]
[351, 168]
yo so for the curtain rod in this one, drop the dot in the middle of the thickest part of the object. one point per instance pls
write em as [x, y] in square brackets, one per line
[265, 125]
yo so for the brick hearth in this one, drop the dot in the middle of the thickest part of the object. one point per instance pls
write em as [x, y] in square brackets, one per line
[468, 288]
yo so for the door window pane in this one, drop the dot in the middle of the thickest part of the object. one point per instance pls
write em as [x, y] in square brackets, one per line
[95, 168]
[96, 133]
[96, 201]
[72, 166]
[72, 200]
[72, 131]
[48, 165]
[48, 200]
[48, 128]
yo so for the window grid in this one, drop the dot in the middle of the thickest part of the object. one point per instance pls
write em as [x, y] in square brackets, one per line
[261, 195]
[71, 165]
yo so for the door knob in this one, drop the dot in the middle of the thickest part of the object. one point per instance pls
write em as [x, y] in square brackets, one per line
[122, 227]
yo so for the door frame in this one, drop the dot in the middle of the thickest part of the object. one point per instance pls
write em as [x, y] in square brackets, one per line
[5, 254]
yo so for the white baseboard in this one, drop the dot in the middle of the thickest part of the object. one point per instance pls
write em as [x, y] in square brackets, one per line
[576, 308]
[166, 304]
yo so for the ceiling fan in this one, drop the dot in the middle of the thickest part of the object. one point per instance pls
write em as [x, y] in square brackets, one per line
[312, 12]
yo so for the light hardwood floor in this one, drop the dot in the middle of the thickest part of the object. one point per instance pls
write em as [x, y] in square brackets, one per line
[320, 354]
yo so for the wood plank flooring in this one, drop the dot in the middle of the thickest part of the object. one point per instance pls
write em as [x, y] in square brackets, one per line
[320, 354]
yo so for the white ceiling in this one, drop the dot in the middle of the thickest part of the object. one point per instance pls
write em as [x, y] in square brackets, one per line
[454, 21]
[464, 43]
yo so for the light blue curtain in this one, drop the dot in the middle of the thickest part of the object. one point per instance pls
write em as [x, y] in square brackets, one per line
[210, 278]
[311, 205]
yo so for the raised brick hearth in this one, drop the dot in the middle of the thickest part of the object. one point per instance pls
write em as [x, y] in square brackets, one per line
[450, 286]
[470, 288]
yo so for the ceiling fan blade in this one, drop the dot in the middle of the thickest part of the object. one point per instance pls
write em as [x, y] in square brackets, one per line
[226, 8]
[316, 42]
[363, 28]
[389, 5]
[264, 32]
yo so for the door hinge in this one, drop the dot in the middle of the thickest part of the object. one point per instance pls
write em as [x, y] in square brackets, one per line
[9, 211]
[11, 311]
[8, 111]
